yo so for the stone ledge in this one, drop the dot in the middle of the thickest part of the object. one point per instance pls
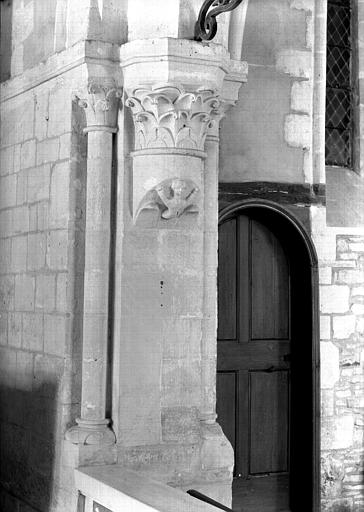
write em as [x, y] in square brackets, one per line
[120, 489]
[83, 52]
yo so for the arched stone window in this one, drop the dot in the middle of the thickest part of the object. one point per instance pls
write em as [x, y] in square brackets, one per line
[340, 85]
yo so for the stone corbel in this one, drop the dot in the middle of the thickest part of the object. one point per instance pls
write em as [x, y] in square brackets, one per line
[171, 126]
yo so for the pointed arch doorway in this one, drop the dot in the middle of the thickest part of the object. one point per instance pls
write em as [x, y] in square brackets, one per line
[268, 357]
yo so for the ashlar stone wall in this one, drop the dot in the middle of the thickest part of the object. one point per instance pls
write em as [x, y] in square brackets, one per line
[341, 273]
[41, 217]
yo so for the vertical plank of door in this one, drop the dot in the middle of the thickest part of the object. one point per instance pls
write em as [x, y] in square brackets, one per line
[270, 293]
[227, 281]
[243, 278]
[242, 454]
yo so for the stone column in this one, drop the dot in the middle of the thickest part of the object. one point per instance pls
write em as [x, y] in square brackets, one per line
[101, 108]
[176, 92]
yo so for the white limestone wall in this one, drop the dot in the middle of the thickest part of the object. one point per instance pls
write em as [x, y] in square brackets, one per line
[42, 183]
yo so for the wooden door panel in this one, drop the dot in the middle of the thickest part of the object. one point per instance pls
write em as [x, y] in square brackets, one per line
[227, 281]
[269, 421]
[269, 285]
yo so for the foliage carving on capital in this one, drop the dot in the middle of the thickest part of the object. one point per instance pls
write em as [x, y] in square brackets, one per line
[170, 117]
[101, 104]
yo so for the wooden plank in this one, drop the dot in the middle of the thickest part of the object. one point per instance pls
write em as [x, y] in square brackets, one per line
[226, 404]
[269, 426]
[227, 281]
[243, 421]
[243, 276]
[253, 356]
[270, 285]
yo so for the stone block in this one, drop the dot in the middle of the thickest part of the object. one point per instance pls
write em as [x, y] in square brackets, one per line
[356, 246]
[57, 250]
[33, 331]
[24, 371]
[330, 370]
[41, 113]
[62, 292]
[45, 294]
[24, 292]
[327, 402]
[7, 367]
[17, 152]
[27, 154]
[3, 328]
[357, 309]
[6, 160]
[47, 151]
[325, 275]
[65, 144]
[59, 205]
[325, 327]
[337, 432]
[15, 329]
[7, 287]
[18, 120]
[181, 383]
[343, 326]
[43, 216]
[33, 217]
[8, 191]
[301, 97]
[5, 255]
[180, 425]
[20, 220]
[48, 375]
[36, 251]
[6, 223]
[55, 334]
[21, 187]
[334, 299]
[38, 183]
[349, 276]
[19, 246]
[59, 111]
[296, 63]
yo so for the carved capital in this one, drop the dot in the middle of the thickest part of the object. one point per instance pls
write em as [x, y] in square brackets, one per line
[170, 117]
[101, 104]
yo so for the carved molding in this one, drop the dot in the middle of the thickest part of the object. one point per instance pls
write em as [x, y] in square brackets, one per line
[169, 117]
[173, 197]
[101, 105]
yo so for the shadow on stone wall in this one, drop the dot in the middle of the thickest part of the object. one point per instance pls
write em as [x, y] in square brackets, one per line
[28, 431]
[6, 30]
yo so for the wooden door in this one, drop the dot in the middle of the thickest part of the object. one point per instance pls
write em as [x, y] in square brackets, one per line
[254, 350]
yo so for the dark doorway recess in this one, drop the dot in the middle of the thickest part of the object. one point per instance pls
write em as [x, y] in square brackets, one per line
[268, 357]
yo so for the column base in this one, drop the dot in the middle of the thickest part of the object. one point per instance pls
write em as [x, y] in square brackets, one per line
[91, 432]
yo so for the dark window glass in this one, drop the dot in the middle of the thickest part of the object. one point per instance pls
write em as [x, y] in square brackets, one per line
[339, 84]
